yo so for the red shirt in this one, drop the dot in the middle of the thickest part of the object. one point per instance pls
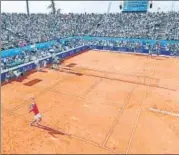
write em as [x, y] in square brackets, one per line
[34, 109]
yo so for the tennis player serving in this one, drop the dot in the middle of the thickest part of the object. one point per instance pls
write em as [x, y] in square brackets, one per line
[37, 115]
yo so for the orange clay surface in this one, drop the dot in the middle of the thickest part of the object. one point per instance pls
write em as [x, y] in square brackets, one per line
[98, 102]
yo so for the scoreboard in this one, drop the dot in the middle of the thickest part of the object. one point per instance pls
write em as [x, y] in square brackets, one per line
[135, 5]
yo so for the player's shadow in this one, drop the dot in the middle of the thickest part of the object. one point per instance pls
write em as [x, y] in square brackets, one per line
[50, 130]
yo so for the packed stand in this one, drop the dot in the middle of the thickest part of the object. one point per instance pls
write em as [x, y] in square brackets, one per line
[21, 30]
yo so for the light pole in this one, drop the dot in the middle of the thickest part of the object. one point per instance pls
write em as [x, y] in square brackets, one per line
[109, 7]
[173, 6]
[27, 7]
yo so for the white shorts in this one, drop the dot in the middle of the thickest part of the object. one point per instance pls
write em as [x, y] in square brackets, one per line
[38, 116]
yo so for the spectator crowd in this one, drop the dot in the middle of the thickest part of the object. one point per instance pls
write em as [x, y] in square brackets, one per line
[18, 30]
[21, 29]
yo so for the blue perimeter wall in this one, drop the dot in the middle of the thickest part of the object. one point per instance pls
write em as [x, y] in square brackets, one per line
[31, 65]
[12, 52]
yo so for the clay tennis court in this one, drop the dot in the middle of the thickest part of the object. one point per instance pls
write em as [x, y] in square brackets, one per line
[98, 102]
